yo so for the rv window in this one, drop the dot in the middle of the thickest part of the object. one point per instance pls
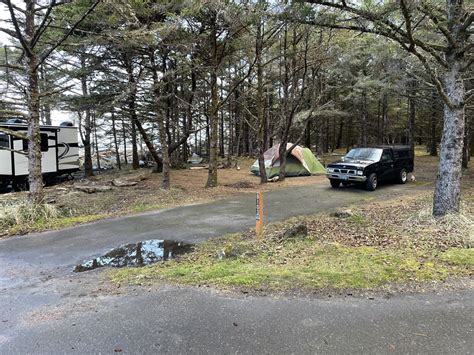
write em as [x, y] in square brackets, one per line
[4, 141]
[44, 143]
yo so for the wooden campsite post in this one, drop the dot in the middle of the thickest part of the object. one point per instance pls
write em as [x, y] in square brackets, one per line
[259, 215]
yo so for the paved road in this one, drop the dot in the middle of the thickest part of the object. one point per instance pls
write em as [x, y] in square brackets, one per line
[181, 320]
[45, 308]
[193, 223]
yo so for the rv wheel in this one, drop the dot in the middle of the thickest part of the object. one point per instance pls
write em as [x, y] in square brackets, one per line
[20, 185]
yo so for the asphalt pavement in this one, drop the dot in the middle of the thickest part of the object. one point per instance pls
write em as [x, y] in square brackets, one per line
[45, 308]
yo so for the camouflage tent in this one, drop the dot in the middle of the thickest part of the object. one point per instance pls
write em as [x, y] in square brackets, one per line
[300, 162]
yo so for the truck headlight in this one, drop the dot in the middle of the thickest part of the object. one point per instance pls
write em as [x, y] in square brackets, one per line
[330, 170]
[360, 172]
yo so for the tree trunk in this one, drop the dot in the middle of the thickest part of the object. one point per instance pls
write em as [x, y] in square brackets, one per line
[96, 140]
[135, 160]
[339, 133]
[214, 110]
[124, 135]
[364, 120]
[447, 192]
[35, 176]
[411, 116]
[213, 132]
[466, 152]
[260, 104]
[86, 139]
[448, 182]
[160, 112]
[383, 131]
[45, 106]
[433, 121]
[221, 135]
[116, 146]
[307, 135]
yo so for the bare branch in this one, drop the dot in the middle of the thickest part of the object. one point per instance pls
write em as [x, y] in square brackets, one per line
[468, 64]
[13, 133]
[11, 66]
[407, 17]
[435, 20]
[8, 32]
[386, 28]
[15, 151]
[19, 35]
[53, 92]
[17, 8]
[41, 8]
[467, 22]
[71, 30]
[469, 95]
[236, 84]
[12, 113]
[42, 26]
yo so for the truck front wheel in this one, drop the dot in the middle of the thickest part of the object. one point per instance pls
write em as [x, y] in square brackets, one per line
[335, 183]
[371, 182]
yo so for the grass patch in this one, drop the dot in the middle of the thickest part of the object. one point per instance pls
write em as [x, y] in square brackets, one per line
[358, 219]
[300, 264]
[389, 242]
[54, 223]
[140, 208]
[457, 256]
[20, 217]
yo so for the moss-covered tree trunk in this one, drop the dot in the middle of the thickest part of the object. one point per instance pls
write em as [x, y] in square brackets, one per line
[447, 192]
[213, 110]
[35, 177]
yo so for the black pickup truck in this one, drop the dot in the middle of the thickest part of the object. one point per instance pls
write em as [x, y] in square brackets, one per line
[368, 166]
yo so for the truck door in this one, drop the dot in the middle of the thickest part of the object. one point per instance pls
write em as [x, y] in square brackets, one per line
[387, 165]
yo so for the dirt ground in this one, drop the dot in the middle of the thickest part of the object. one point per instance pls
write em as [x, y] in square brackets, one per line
[187, 186]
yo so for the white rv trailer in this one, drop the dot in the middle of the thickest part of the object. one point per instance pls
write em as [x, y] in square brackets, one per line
[59, 150]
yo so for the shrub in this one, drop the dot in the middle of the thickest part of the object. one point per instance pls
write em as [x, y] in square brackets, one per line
[21, 213]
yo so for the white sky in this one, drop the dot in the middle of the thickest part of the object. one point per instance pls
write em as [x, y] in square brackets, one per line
[57, 116]
[3, 17]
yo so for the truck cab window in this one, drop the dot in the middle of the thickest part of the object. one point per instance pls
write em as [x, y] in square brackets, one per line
[387, 156]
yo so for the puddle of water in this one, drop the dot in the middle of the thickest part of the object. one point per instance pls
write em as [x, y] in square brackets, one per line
[137, 254]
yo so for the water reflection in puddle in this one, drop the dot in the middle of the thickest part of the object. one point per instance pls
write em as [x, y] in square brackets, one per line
[137, 254]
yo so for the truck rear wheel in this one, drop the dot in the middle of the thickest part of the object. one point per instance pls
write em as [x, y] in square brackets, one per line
[335, 183]
[403, 176]
[371, 182]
